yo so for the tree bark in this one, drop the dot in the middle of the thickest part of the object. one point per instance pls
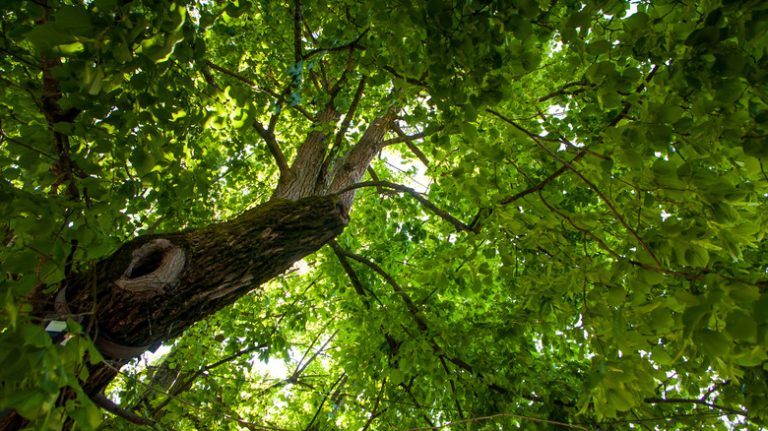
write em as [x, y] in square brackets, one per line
[155, 286]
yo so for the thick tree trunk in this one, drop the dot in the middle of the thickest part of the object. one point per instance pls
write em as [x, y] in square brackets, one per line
[155, 286]
[140, 300]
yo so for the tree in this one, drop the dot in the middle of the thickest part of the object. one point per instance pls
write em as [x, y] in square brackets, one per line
[537, 214]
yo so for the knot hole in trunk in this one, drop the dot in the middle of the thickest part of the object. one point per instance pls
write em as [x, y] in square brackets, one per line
[154, 266]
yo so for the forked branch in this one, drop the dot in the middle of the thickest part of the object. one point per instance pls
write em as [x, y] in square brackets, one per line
[355, 44]
[252, 84]
[591, 185]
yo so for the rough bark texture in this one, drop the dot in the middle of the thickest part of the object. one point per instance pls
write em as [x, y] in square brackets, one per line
[220, 263]
[302, 177]
[155, 286]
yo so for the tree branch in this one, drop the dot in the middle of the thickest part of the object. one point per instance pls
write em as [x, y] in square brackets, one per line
[592, 185]
[257, 88]
[105, 403]
[197, 406]
[356, 283]
[375, 406]
[405, 138]
[334, 91]
[352, 167]
[309, 159]
[274, 148]
[563, 91]
[322, 403]
[409, 304]
[375, 177]
[412, 309]
[625, 110]
[733, 411]
[339, 139]
[411, 146]
[297, 55]
[458, 224]
[412, 81]
[485, 212]
[588, 232]
[302, 365]
[545, 182]
[351, 46]
[500, 415]
[350, 112]
[4, 137]
[426, 418]
[453, 387]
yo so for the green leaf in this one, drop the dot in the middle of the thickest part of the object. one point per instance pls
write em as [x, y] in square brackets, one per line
[637, 22]
[598, 47]
[712, 343]
[87, 415]
[73, 20]
[45, 36]
[741, 326]
[29, 403]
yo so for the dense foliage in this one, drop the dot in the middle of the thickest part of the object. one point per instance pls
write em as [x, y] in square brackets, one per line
[565, 228]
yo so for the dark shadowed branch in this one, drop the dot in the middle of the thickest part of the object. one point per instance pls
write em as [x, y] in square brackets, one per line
[274, 147]
[591, 184]
[498, 416]
[545, 182]
[411, 146]
[297, 48]
[355, 44]
[458, 224]
[102, 401]
[625, 110]
[728, 410]
[353, 278]
[252, 84]
[409, 304]
[375, 410]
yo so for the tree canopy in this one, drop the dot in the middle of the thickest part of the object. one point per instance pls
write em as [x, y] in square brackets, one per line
[555, 214]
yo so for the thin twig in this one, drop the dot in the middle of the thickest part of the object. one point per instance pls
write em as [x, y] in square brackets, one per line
[625, 110]
[249, 425]
[415, 136]
[458, 224]
[413, 81]
[4, 137]
[322, 403]
[409, 304]
[700, 402]
[255, 87]
[355, 44]
[453, 388]
[592, 185]
[588, 232]
[545, 182]
[500, 415]
[375, 406]
[562, 91]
